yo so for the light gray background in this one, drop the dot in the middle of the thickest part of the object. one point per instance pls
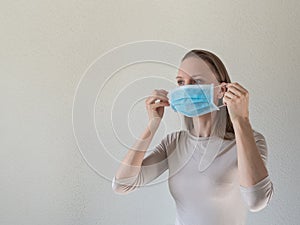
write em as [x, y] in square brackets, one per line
[47, 45]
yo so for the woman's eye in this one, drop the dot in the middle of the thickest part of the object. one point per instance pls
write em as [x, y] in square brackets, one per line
[179, 82]
[197, 81]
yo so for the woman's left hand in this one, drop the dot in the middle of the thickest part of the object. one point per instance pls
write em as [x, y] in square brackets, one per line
[236, 99]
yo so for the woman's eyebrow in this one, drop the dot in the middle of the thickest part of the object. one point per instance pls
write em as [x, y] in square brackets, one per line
[196, 75]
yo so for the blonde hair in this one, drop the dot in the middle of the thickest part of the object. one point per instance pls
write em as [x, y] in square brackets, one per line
[222, 125]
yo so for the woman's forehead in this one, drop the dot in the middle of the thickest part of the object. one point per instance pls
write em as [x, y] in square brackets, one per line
[193, 67]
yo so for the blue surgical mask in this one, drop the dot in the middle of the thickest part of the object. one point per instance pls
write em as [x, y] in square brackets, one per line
[193, 99]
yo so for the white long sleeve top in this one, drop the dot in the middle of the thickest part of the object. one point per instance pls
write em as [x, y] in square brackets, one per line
[203, 179]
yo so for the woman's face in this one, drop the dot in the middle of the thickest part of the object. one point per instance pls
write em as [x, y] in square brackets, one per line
[196, 71]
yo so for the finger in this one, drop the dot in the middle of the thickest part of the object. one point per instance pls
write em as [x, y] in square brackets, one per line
[159, 100]
[237, 86]
[159, 104]
[229, 95]
[163, 97]
[153, 98]
[164, 91]
[160, 92]
[226, 99]
[235, 91]
[163, 94]
[241, 87]
[234, 85]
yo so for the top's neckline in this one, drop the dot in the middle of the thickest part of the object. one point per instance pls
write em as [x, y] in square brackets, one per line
[197, 138]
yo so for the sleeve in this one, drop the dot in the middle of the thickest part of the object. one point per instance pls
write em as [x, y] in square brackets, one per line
[258, 196]
[152, 167]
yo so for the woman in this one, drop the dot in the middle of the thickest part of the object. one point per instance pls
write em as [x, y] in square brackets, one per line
[217, 167]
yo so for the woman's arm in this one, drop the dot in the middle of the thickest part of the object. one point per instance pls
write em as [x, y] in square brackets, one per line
[151, 167]
[250, 164]
[131, 173]
[131, 164]
[255, 184]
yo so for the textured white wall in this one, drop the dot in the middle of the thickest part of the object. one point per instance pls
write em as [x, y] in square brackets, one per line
[47, 45]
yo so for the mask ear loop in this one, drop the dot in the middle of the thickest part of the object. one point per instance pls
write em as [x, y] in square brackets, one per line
[223, 96]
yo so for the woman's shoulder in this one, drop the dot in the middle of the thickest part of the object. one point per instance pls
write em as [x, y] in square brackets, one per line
[174, 136]
[171, 140]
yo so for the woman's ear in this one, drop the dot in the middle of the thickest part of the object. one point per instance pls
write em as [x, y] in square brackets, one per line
[222, 90]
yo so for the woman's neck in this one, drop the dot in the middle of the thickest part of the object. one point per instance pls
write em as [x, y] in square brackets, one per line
[202, 125]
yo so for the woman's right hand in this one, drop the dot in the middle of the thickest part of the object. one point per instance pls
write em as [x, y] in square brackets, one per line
[156, 109]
